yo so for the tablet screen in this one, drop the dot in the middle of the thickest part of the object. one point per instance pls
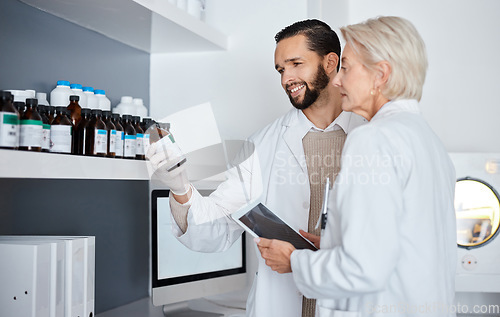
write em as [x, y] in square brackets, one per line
[267, 225]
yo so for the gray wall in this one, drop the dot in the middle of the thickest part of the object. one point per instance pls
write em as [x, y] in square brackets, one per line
[36, 50]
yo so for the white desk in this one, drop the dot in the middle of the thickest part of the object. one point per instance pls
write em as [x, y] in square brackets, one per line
[144, 308]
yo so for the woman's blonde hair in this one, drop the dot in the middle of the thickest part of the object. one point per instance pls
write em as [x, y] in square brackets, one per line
[395, 40]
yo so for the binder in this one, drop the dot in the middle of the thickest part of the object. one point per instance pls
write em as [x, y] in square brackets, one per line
[25, 271]
[75, 292]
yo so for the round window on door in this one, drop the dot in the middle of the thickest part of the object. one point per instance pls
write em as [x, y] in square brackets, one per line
[477, 208]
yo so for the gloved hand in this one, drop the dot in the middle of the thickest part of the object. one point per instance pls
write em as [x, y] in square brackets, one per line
[163, 156]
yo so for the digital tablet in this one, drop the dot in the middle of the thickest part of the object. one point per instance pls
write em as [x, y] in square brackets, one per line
[261, 222]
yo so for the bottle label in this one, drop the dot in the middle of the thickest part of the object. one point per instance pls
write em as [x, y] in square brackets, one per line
[60, 138]
[119, 143]
[112, 141]
[129, 146]
[46, 137]
[31, 133]
[9, 129]
[100, 141]
[139, 150]
[146, 143]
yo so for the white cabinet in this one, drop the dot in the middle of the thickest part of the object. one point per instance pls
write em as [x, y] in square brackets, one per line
[153, 26]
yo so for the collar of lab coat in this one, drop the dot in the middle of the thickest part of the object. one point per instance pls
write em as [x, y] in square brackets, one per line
[396, 106]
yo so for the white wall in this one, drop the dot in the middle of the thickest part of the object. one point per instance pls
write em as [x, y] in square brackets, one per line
[241, 83]
[460, 95]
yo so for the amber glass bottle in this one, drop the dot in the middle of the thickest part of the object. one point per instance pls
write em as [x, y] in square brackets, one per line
[61, 132]
[129, 140]
[139, 134]
[119, 135]
[46, 128]
[80, 133]
[31, 128]
[96, 138]
[75, 110]
[9, 122]
[111, 129]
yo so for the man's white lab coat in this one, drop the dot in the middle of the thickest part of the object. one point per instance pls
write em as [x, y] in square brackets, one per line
[389, 247]
[277, 174]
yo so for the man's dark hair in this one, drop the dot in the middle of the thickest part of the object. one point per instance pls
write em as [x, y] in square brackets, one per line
[320, 37]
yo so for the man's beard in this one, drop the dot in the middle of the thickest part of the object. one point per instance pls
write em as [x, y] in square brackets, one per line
[321, 80]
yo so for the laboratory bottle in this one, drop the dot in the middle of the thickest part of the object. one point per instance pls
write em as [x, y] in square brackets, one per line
[46, 127]
[20, 106]
[146, 123]
[92, 101]
[111, 129]
[119, 135]
[125, 106]
[139, 134]
[140, 109]
[77, 90]
[9, 122]
[59, 96]
[80, 133]
[61, 131]
[42, 99]
[75, 111]
[51, 113]
[31, 128]
[129, 138]
[104, 103]
[96, 137]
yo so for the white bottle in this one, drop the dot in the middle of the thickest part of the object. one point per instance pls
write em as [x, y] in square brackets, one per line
[42, 99]
[104, 103]
[77, 90]
[59, 97]
[126, 106]
[92, 101]
[140, 109]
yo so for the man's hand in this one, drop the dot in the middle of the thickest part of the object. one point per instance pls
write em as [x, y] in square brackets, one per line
[311, 237]
[163, 155]
[276, 253]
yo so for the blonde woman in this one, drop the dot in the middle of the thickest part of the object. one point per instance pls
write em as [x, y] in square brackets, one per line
[389, 246]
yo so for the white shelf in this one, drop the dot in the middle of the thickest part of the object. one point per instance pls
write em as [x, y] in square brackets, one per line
[24, 164]
[153, 26]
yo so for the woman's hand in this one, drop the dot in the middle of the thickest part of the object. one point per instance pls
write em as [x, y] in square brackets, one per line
[311, 237]
[276, 253]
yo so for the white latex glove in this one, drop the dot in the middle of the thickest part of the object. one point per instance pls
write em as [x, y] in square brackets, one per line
[163, 156]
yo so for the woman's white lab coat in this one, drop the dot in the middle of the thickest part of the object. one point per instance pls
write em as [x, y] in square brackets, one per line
[277, 174]
[389, 248]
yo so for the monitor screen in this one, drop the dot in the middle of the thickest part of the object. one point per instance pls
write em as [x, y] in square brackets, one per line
[174, 266]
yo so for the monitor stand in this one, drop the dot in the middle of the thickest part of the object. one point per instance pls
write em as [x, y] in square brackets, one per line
[182, 310]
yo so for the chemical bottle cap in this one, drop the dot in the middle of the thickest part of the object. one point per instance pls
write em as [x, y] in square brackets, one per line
[116, 116]
[61, 109]
[86, 111]
[6, 95]
[63, 83]
[126, 117]
[96, 111]
[88, 88]
[32, 102]
[75, 86]
[74, 98]
[99, 92]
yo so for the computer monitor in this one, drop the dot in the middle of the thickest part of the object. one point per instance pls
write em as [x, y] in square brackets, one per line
[180, 274]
